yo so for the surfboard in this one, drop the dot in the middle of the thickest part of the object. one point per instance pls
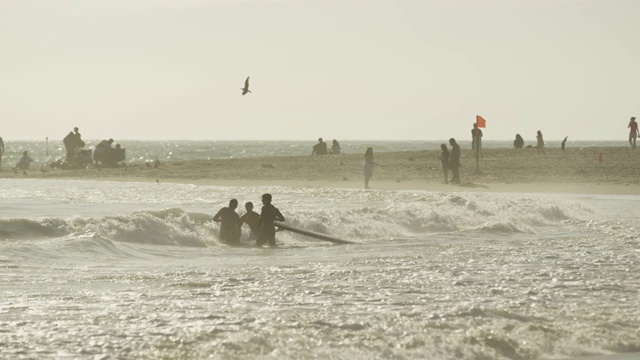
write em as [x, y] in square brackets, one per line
[312, 234]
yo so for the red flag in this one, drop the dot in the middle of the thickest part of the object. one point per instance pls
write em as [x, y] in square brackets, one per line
[482, 123]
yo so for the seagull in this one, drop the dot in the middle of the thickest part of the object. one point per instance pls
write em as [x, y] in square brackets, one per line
[246, 90]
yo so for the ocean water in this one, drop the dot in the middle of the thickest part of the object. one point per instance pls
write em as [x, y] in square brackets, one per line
[107, 270]
[44, 152]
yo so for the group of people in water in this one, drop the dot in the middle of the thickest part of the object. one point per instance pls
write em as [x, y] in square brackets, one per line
[261, 226]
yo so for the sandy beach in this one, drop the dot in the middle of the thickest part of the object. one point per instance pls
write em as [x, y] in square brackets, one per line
[576, 170]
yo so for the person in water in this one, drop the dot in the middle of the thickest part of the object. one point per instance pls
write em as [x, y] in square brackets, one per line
[229, 223]
[367, 167]
[444, 159]
[252, 219]
[268, 215]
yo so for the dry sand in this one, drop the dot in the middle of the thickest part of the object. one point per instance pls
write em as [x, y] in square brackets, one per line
[576, 170]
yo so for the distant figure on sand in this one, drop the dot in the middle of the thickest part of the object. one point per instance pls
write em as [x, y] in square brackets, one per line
[24, 162]
[72, 143]
[454, 161]
[335, 148]
[444, 159]
[229, 223]
[633, 132]
[268, 215]
[245, 89]
[367, 167]
[518, 143]
[476, 140]
[564, 143]
[252, 219]
[320, 148]
[540, 143]
[1, 151]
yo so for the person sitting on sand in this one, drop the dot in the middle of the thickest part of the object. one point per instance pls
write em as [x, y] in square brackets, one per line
[320, 148]
[24, 162]
[335, 148]
[229, 223]
[268, 215]
[252, 219]
[444, 159]
[518, 143]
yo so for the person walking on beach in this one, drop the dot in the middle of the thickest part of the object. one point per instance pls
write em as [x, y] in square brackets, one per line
[563, 146]
[252, 219]
[229, 223]
[320, 148]
[540, 143]
[476, 140]
[335, 147]
[367, 167]
[1, 151]
[454, 161]
[633, 132]
[268, 215]
[444, 159]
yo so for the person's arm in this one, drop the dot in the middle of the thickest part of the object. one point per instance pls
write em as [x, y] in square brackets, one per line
[218, 216]
[279, 216]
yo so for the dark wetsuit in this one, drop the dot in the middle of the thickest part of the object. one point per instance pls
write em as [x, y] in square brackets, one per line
[253, 220]
[268, 215]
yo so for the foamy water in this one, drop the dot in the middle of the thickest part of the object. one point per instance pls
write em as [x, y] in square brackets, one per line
[130, 270]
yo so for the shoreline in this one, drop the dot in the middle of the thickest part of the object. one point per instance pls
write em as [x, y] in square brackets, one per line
[575, 171]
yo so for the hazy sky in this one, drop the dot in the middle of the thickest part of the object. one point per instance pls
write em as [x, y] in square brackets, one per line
[344, 69]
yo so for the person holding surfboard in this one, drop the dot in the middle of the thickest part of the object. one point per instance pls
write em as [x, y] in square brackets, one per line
[268, 215]
[229, 223]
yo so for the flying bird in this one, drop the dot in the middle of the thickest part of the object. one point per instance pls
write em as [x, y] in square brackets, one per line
[246, 90]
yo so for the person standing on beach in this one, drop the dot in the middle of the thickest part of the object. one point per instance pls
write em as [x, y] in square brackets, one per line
[633, 132]
[540, 143]
[1, 151]
[252, 219]
[229, 223]
[454, 161]
[268, 215]
[563, 146]
[444, 159]
[476, 140]
[320, 148]
[367, 167]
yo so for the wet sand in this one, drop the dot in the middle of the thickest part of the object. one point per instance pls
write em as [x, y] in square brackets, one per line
[576, 170]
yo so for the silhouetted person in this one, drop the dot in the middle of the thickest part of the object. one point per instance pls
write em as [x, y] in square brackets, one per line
[518, 143]
[633, 132]
[103, 152]
[564, 143]
[476, 140]
[252, 219]
[268, 215]
[444, 159]
[24, 162]
[540, 143]
[335, 148]
[229, 223]
[454, 161]
[1, 151]
[320, 148]
[367, 167]
[72, 143]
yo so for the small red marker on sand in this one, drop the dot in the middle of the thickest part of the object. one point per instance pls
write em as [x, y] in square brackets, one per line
[600, 157]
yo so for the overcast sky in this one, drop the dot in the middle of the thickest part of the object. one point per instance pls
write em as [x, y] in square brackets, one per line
[344, 69]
